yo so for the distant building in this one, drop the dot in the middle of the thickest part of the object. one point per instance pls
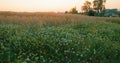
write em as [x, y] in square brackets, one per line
[111, 13]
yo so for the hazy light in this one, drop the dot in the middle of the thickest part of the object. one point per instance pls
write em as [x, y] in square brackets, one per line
[48, 5]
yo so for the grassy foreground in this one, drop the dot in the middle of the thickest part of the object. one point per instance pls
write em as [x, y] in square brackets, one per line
[58, 38]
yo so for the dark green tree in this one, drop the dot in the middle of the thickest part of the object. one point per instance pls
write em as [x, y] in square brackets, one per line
[99, 6]
[119, 13]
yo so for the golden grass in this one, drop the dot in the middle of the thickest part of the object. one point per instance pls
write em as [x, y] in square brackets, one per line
[47, 18]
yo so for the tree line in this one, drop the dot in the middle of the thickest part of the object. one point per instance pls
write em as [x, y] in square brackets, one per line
[95, 8]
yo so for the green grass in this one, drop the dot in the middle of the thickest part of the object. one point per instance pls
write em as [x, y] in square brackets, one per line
[83, 42]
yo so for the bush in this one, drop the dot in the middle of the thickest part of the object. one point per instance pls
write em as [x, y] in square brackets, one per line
[91, 13]
[66, 12]
[119, 13]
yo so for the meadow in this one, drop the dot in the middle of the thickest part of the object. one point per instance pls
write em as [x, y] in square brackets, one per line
[58, 38]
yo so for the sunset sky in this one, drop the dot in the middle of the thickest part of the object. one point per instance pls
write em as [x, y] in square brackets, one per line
[48, 5]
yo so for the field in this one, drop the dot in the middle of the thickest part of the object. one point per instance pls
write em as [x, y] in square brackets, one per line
[58, 38]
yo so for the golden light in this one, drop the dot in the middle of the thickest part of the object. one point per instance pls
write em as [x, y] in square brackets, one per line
[45, 5]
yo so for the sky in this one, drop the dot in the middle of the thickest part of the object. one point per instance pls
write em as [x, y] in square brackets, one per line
[48, 5]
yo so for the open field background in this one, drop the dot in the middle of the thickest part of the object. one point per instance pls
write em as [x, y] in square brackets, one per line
[25, 18]
[58, 38]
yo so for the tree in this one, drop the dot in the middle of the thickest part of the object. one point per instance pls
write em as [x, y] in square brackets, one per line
[99, 6]
[74, 10]
[86, 7]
